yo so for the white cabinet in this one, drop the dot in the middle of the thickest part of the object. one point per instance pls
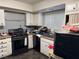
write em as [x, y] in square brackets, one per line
[78, 6]
[30, 41]
[2, 17]
[38, 18]
[29, 19]
[44, 46]
[72, 8]
[9, 46]
[5, 47]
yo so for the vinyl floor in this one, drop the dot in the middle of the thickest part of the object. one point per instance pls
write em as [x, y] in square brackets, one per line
[32, 54]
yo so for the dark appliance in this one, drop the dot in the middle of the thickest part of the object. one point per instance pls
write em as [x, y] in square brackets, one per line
[18, 41]
[67, 45]
[36, 43]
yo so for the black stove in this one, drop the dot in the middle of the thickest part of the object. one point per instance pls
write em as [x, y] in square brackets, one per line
[18, 41]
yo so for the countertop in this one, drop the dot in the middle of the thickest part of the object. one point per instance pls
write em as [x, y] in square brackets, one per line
[4, 37]
[69, 33]
[43, 36]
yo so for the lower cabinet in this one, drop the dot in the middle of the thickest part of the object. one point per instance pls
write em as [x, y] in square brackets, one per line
[9, 46]
[30, 41]
[44, 46]
[5, 47]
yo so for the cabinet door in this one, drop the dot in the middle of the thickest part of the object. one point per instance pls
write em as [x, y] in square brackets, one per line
[46, 49]
[40, 19]
[30, 41]
[71, 7]
[78, 6]
[2, 18]
[3, 50]
[29, 19]
[44, 46]
[9, 46]
[3, 54]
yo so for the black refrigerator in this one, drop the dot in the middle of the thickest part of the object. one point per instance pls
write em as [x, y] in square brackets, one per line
[67, 45]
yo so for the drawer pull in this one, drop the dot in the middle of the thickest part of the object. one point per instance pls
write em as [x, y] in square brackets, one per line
[3, 47]
[2, 55]
[2, 51]
[1, 42]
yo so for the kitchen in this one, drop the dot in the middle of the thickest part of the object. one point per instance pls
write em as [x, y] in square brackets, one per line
[39, 29]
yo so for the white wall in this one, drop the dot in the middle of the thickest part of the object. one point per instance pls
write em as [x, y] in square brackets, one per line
[15, 5]
[50, 3]
[28, 7]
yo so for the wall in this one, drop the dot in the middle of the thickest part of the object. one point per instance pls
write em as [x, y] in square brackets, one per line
[46, 4]
[15, 5]
[49, 3]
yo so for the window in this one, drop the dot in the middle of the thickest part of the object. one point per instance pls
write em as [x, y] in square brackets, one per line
[13, 20]
[54, 20]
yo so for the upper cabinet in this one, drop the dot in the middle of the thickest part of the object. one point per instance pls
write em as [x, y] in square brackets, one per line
[72, 8]
[78, 6]
[29, 19]
[2, 18]
[38, 18]
[34, 18]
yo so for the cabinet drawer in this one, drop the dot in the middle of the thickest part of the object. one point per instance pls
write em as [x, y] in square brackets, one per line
[3, 55]
[3, 46]
[3, 41]
[47, 41]
[3, 50]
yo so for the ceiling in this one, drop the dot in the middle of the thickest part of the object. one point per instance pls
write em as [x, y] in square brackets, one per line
[30, 1]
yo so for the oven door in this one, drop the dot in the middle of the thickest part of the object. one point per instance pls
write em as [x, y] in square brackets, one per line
[18, 44]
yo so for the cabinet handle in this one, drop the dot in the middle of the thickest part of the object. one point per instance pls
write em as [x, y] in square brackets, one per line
[2, 51]
[1, 46]
[1, 42]
[2, 54]
[73, 7]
